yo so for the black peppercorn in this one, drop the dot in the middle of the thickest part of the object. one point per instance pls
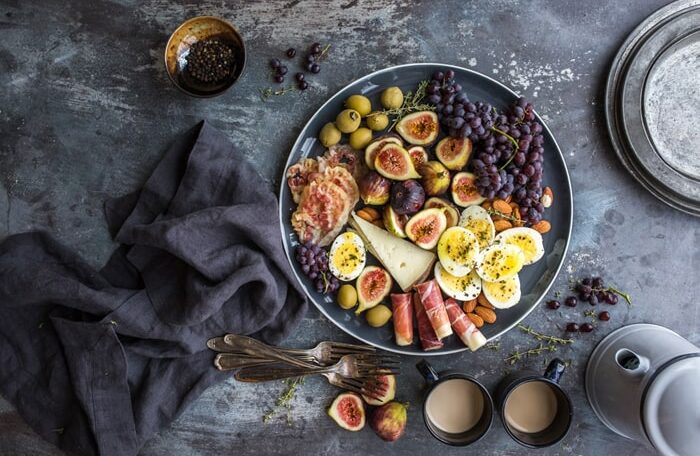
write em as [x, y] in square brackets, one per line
[210, 60]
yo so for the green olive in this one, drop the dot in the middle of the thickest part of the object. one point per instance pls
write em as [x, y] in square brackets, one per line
[360, 138]
[348, 120]
[347, 296]
[378, 315]
[329, 135]
[392, 98]
[377, 121]
[359, 103]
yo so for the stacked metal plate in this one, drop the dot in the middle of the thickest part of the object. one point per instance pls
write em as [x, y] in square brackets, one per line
[653, 104]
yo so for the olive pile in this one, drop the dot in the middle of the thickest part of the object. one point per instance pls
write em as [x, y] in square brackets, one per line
[349, 120]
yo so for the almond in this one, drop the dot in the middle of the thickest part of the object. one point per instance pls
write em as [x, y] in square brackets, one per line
[502, 225]
[516, 214]
[481, 299]
[469, 306]
[543, 226]
[477, 320]
[486, 205]
[508, 199]
[488, 315]
[502, 207]
[547, 197]
[368, 213]
[513, 205]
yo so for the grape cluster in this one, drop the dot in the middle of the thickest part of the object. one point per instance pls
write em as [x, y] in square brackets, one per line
[314, 263]
[592, 289]
[508, 148]
[458, 116]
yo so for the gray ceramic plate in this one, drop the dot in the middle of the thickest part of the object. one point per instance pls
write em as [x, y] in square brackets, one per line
[653, 103]
[535, 279]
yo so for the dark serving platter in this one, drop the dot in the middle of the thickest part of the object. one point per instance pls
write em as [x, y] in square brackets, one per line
[535, 279]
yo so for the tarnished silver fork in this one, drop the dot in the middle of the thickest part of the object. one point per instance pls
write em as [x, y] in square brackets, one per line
[324, 353]
[353, 372]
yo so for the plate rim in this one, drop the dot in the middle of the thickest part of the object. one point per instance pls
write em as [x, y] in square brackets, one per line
[399, 350]
[617, 72]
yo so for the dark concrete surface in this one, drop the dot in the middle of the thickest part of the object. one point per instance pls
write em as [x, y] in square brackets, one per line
[86, 110]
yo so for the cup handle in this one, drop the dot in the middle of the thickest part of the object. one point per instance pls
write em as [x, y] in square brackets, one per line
[427, 371]
[555, 370]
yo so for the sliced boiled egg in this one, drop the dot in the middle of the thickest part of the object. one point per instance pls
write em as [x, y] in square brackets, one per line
[502, 294]
[478, 221]
[458, 250]
[526, 239]
[347, 256]
[500, 262]
[460, 288]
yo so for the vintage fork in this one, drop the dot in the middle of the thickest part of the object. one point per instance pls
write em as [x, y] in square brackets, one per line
[324, 353]
[349, 373]
[349, 366]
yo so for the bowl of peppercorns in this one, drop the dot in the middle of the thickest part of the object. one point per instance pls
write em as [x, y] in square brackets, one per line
[205, 56]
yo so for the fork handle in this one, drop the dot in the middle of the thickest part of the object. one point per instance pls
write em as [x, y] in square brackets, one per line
[255, 348]
[230, 361]
[263, 374]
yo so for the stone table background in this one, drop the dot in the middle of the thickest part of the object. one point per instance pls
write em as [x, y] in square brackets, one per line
[86, 110]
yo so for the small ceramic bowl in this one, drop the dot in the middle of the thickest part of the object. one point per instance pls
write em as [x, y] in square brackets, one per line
[178, 47]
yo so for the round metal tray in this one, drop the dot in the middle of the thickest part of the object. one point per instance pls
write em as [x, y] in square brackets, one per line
[535, 279]
[652, 104]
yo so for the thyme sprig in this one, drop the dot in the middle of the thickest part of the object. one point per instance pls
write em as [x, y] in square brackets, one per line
[592, 315]
[541, 348]
[544, 337]
[502, 215]
[285, 399]
[269, 92]
[412, 102]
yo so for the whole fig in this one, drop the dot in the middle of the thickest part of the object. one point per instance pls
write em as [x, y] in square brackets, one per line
[435, 178]
[407, 197]
[374, 189]
[389, 421]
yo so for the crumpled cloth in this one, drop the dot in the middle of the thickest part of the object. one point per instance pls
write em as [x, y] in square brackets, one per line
[98, 361]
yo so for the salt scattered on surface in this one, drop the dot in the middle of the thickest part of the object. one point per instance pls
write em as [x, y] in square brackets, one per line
[472, 62]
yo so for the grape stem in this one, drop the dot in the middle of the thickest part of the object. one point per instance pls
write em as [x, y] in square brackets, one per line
[268, 92]
[512, 140]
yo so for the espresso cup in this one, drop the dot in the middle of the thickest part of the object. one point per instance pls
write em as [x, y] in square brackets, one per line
[534, 409]
[457, 410]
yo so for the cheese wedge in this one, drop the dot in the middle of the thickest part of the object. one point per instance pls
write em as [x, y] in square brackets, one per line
[407, 263]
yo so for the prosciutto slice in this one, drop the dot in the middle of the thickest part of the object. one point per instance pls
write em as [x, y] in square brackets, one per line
[428, 339]
[463, 326]
[431, 297]
[403, 318]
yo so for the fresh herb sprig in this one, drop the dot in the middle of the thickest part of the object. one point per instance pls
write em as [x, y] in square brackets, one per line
[592, 315]
[502, 215]
[541, 348]
[412, 102]
[544, 337]
[269, 92]
[285, 399]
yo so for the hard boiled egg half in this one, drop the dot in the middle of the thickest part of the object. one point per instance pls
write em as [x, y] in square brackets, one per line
[347, 256]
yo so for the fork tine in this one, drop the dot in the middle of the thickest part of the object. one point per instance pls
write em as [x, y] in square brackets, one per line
[365, 372]
[349, 387]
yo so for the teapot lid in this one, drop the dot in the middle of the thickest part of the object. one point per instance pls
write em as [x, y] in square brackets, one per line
[671, 409]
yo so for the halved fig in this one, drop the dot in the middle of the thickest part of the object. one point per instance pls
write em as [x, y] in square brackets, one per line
[425, 228]
[348, 411]
[394, 222]
[418, 155]
[373, 285]
[454, 152]
[435, 178]
[419, 128]
[393, 162]
[385, 389]
[373, 147]
[451, 212]
[464, 191]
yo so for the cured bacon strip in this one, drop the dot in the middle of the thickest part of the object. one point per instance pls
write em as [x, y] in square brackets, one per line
[428, 339]
[403, 318]
[463, 326]
[431, 298]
